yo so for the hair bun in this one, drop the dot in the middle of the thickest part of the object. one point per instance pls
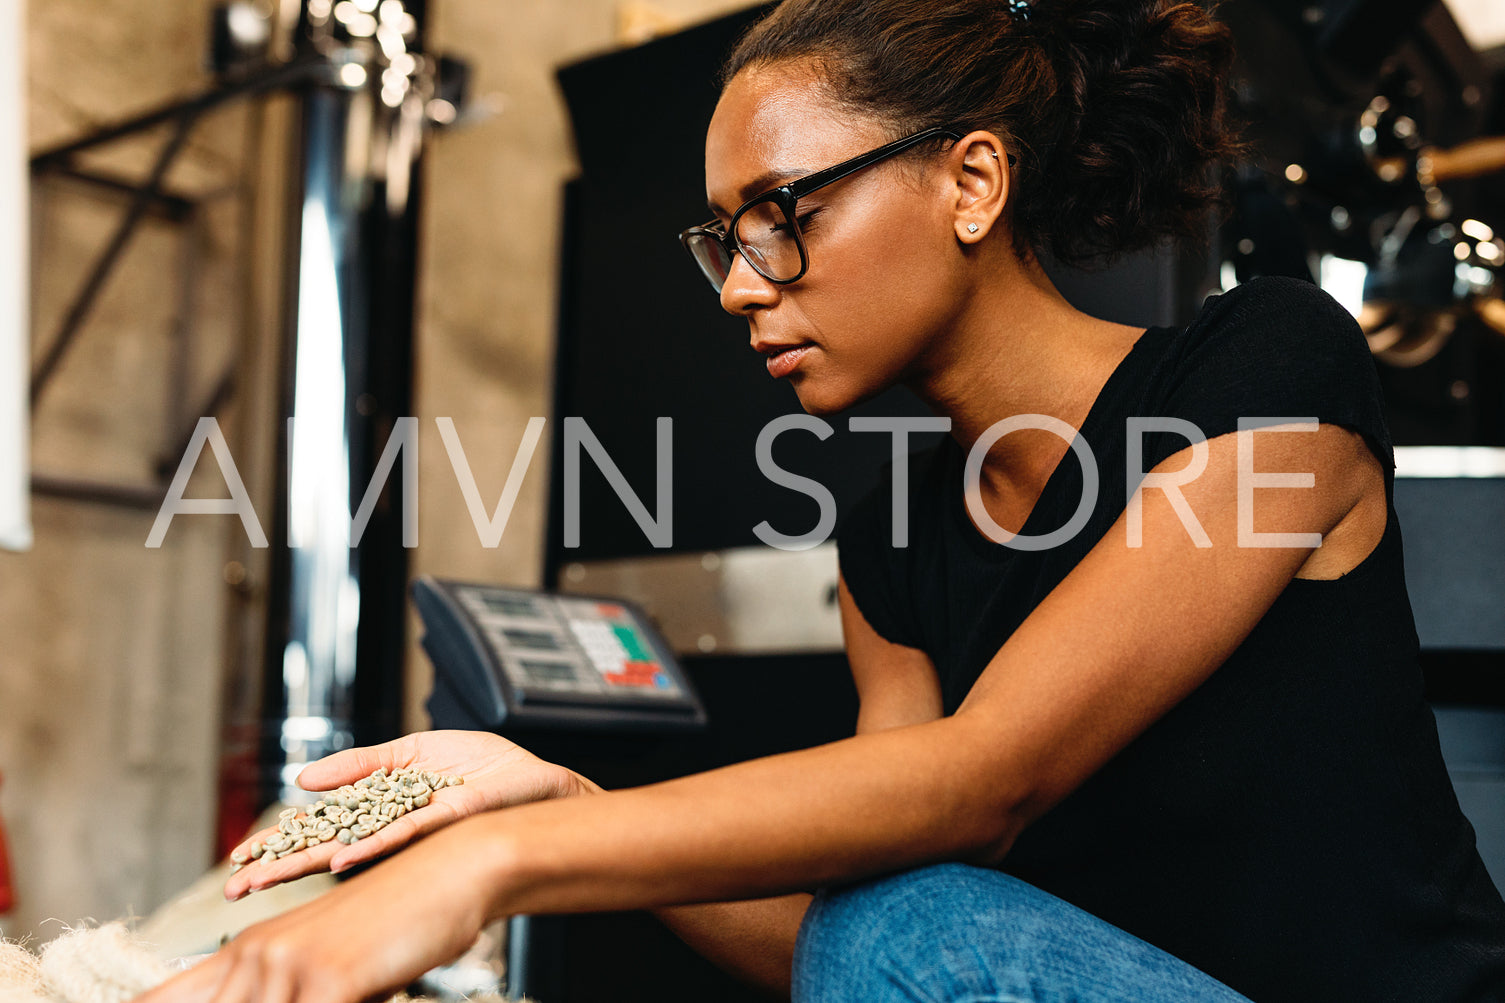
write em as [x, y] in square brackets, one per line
[1114, 109]
[1141, 123]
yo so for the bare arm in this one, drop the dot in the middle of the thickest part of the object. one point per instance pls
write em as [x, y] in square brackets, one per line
[1128, 634]
[754, 940]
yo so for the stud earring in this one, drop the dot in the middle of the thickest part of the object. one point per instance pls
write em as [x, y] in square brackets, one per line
[971, 227]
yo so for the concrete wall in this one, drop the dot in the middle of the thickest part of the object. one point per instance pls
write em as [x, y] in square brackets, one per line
[112, 665]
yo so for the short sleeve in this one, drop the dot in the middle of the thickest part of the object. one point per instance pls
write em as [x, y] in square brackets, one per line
[875, 572]
[1273, 348]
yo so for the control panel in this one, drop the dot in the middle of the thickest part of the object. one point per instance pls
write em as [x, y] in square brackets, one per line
[508, 656]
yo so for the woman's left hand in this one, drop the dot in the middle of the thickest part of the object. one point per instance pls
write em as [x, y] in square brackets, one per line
[368, 938]
[498, 774]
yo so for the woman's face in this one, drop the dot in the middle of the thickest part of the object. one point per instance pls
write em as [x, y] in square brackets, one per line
[884, 277]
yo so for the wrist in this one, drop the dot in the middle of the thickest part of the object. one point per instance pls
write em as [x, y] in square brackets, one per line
[577, 785]
[483, 855]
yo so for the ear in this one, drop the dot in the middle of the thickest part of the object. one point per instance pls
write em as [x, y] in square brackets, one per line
[979, 165]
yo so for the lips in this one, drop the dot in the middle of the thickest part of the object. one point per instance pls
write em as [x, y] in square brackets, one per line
[784, 360]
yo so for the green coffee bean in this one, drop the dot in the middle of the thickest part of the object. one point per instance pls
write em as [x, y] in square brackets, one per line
[354, 811]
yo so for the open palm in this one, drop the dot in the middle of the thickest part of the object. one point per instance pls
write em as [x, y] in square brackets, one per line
[497, 773]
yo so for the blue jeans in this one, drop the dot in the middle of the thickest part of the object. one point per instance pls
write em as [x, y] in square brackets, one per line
[958, 934]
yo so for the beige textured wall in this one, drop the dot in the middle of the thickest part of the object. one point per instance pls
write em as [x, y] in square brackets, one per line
[111, 668]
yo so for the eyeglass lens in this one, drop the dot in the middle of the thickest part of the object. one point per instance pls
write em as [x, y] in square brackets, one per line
[767, 238]
[764, 235]
[710, 256]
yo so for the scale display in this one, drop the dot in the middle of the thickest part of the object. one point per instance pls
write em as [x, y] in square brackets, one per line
[506, 656]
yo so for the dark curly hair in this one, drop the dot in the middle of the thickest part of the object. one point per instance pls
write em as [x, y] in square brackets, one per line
[1114, 109]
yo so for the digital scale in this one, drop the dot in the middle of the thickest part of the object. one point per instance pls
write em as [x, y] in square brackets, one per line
[507, 657]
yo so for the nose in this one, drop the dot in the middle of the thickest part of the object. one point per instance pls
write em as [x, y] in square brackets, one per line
[745, 290]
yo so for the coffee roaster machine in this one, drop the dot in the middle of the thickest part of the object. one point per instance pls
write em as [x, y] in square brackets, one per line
[1379, 155]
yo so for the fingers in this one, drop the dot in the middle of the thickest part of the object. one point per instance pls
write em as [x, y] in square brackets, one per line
[350, 765]
[392, 837]
[244, 846]
[198, 983]
[356, 942]
[258, 967]
[371, 848]
[336, 857]
[253, 978]
[269, 870]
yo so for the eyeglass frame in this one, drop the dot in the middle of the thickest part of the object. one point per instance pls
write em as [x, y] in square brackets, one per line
[787, 196]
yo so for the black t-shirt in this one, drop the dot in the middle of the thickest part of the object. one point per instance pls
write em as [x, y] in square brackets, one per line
[1289, 827]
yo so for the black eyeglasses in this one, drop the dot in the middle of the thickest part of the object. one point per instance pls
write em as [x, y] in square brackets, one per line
[766, 230]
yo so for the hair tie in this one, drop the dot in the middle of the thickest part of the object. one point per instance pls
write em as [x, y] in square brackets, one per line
[1019, 8]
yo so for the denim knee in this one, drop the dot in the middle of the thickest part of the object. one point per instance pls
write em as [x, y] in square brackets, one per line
[952, 933]
[922, 935]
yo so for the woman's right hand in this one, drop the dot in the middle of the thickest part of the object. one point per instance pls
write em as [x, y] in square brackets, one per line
[497, 774]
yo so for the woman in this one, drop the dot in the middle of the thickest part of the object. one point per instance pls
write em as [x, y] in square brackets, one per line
[1175, 751]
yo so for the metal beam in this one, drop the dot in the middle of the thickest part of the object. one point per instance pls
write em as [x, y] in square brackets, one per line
[169, 205]
[233, 87]
[83, 303]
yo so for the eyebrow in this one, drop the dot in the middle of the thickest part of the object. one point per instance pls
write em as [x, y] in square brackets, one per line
[766, 181]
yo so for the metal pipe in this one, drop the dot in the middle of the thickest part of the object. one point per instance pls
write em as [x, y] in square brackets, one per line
[311, 666]
[335, 635]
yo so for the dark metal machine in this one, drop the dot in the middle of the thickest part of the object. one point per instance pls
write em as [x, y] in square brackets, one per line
[1379, 150]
